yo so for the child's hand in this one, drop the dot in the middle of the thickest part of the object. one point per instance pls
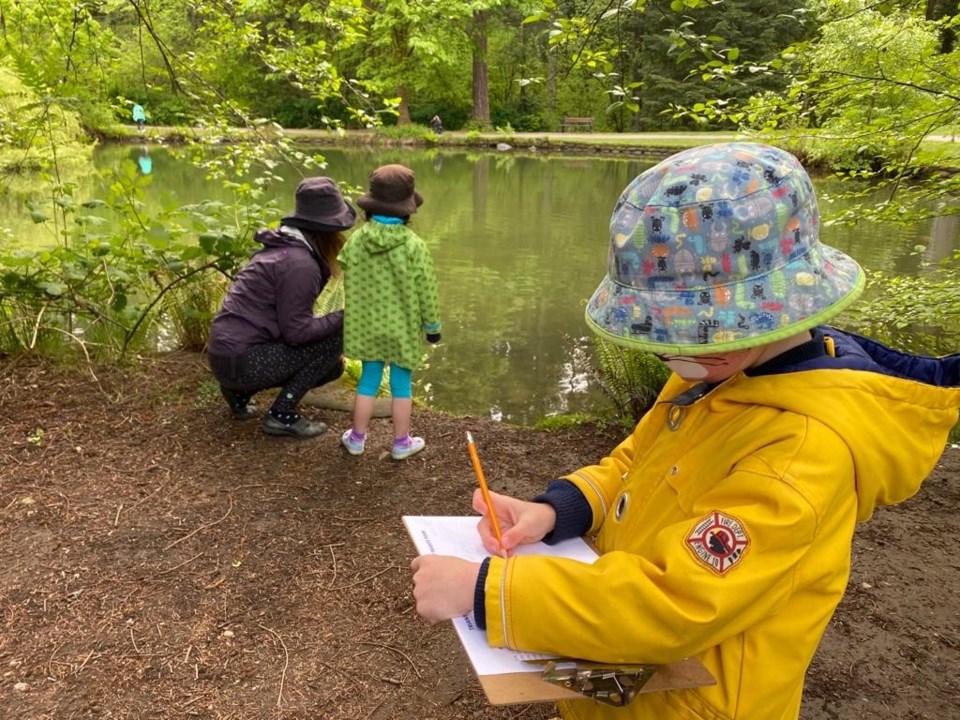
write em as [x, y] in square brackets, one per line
[521, 522]
[443, 586]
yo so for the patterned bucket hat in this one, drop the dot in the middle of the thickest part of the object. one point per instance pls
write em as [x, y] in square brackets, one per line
[717, 249]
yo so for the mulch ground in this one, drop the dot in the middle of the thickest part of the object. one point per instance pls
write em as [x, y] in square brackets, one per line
[163, 561]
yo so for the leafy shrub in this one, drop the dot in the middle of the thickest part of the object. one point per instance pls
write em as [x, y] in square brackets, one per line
[476, 127]
[104, 286]
[411, 131]
[519, 121]
[563, 422]
[38, 131]
[632, 379]
[453, 118]
[874, 154]
[918, 314]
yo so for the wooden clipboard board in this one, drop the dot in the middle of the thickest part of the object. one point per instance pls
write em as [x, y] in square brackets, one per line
[513, 688]
[529, 686]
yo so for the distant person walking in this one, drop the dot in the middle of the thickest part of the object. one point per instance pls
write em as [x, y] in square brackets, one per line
[391, 302]
[139, 116]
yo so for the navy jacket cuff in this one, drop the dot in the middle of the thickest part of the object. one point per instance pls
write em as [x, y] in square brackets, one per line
[479, 608]
[574, 515]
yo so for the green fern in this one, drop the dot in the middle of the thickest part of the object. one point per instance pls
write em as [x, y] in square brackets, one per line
[189, 309]
[331, 299]
[630, 378]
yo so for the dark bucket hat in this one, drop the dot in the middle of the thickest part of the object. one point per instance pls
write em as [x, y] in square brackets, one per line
[716, 249]
[391, 192]
[320, 207]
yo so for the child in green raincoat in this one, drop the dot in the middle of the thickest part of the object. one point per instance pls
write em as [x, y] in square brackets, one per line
[391, 303]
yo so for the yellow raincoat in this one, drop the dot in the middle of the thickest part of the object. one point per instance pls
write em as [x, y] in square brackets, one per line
[725, 531]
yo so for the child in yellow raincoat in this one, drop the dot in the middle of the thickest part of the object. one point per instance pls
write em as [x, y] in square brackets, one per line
[725, 520]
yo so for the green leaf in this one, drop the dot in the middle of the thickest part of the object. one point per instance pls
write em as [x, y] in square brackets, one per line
[52, 288]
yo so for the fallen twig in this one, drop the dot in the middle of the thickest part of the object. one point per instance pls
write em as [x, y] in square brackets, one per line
[332, 555]
[396, 650]
[159, 488]
[286, 663]
[366, 579]
[177, 567]
[202, 527]
[378, 706]
[84, 663]
[50, 660]
[81, 343]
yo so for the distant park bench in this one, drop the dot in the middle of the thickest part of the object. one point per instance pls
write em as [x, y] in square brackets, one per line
[577, 123]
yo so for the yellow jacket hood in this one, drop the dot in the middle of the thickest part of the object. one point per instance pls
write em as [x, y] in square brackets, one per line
[893, 411]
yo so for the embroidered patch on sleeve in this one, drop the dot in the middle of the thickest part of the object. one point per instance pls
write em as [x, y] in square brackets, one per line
[719, 541]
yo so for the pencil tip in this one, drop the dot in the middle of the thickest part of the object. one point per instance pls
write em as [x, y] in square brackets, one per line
[469, 437]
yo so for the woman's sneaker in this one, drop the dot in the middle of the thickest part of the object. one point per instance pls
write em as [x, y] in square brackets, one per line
[301, 428]
[240, 406]
[404, 448]
[352, 442]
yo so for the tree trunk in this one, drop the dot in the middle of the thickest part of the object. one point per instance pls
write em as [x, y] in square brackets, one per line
[938, 10]
[551, 80]
[481, 89]
[403, 108]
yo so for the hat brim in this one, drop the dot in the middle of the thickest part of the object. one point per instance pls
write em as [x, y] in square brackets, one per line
[303, 223]
[724, 318]
[403, 208]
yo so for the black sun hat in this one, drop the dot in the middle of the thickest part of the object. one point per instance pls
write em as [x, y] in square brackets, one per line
[320, 207]
[391, 192]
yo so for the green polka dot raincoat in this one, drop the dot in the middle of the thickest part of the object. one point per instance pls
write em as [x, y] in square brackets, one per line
[391, 296]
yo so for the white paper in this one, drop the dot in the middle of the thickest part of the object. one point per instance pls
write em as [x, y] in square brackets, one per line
[458, 536]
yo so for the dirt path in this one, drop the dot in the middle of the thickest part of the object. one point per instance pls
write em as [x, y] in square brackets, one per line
[162, 561]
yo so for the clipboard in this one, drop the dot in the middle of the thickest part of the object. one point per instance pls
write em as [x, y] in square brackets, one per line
[530, 687]
[509, 677]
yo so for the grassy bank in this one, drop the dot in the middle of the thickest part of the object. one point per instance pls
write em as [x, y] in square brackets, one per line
[938, 153]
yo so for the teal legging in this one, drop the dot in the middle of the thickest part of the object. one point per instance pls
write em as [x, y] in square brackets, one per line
[371, 372]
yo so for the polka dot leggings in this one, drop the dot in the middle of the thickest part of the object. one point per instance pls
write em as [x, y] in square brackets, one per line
[295, 370]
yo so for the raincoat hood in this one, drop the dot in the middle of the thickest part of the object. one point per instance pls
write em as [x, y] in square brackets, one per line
[284, 236]
[382, 237]
[893, 410]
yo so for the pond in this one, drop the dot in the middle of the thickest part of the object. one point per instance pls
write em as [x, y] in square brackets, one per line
[519, 242]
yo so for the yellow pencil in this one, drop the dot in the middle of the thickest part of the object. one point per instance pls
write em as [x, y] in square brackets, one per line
[492, 514]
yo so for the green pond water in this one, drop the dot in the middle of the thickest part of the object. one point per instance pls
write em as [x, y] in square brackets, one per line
[519, 242]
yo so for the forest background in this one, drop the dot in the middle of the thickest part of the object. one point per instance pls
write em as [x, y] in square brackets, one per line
[157, 558]
[867, 90]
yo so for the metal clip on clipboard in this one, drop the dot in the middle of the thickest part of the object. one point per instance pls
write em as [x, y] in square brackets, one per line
[614, 685]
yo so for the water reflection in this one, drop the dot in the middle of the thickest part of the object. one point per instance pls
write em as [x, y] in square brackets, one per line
[144, 161]
[520, 243]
